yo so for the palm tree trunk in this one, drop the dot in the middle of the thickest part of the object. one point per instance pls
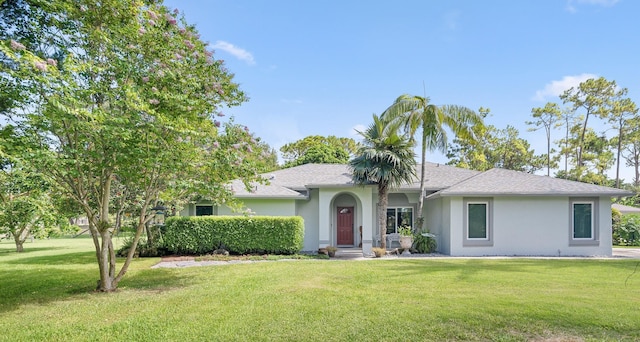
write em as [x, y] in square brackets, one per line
[423, 171]
[383, 202]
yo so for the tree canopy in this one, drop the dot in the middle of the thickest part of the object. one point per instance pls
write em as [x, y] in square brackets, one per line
[416, 113]
[123, 92]
[319, 149]
[385, 159]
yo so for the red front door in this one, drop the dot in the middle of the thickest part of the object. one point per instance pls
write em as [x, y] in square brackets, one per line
[345, 226]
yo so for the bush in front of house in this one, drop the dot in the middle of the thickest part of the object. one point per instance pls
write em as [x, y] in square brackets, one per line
[626, 230]
[237, 234]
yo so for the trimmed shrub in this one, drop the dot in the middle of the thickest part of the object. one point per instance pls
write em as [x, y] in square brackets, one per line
[237, 234]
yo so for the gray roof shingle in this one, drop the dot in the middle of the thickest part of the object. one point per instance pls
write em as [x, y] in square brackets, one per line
[514, 183]
[445, 180]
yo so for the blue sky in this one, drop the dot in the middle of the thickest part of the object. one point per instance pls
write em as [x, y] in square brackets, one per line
[324, 67]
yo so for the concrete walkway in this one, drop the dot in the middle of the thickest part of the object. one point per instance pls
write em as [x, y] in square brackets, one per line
[626, 253]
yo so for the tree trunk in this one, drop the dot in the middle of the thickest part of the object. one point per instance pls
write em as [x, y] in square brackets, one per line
[104, 249]
[618, 158]
[548, 151]
[566, 149]
[19, 236]
[105, 284]
[19, 243]
[423, 171]
[581, 146]
[636, 167]
[382, 214]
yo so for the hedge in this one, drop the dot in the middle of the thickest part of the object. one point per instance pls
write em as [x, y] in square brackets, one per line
[237, 234]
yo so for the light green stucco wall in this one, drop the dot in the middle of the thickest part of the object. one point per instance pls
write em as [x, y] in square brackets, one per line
[309, 211]
[267, 207]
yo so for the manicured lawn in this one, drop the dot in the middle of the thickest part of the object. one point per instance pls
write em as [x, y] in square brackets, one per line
[46, 294]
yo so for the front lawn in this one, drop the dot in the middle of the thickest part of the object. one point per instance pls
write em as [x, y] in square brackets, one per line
[46, 294]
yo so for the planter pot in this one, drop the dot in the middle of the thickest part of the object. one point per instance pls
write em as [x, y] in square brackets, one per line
[405, 243]
[331, 253]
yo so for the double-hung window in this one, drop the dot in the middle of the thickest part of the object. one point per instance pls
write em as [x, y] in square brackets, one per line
[478, 221]
[583, 221]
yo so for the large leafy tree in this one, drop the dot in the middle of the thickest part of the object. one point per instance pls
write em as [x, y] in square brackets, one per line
[502, 148]
[385, 159]
[131, 95]
[597, 157]
[417, 114]
[27, 200]
[319, 149]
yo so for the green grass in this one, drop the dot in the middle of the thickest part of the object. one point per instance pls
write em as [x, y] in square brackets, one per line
[46, 294]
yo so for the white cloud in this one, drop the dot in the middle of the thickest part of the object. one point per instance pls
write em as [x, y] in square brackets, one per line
[235, 51]
[604, 3]
[556, 88]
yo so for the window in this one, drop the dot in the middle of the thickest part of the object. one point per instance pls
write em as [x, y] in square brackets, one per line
[204, 210]
[398, 217]
[478, 222]
[583, 227]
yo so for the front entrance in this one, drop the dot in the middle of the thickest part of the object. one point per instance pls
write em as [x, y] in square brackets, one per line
[345, 226]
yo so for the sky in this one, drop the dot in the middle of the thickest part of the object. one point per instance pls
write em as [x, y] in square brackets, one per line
[324, 67]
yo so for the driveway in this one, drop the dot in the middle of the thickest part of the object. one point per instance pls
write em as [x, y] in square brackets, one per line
[626, 253]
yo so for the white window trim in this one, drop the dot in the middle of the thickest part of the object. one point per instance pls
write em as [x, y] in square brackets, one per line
[573, 227]
[594, 240]
[479, 242]
[486, 209]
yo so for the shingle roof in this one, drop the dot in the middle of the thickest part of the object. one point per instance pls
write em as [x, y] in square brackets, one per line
[514, 183]
[446, 180]
[439, 176]
[286, 183]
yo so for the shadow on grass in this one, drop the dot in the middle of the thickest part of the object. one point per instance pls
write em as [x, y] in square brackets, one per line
[81, 258]
[27, 249]
[468, 268]
[44, 285]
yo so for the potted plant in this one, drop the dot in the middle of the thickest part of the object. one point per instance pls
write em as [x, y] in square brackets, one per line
[331, 250]
[406, 239]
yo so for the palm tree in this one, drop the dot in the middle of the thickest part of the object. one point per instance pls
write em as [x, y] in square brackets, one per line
[415, 112]
[386, 159]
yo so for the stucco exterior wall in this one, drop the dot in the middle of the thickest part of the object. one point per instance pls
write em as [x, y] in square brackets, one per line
[309, 212]
[434, 214]
[267, 207]
[536, 226]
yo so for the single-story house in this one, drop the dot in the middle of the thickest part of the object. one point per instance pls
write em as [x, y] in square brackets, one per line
[625, 209]
[472, 213]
